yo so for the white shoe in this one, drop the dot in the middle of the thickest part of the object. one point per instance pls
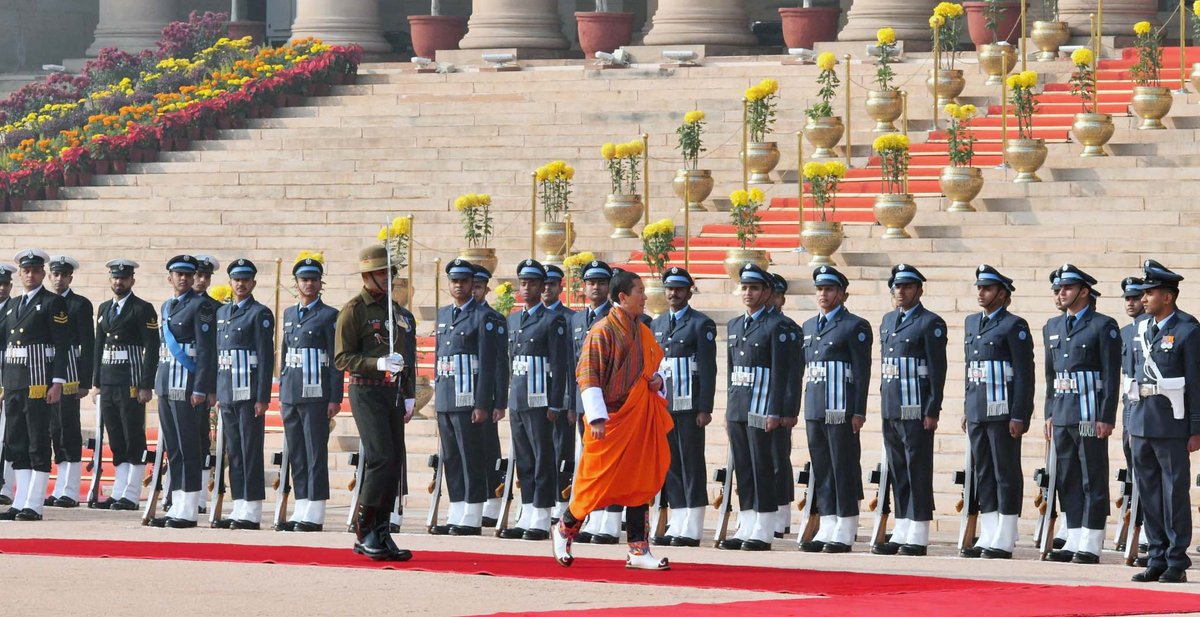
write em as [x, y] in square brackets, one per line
[646, 561]
[561, 546]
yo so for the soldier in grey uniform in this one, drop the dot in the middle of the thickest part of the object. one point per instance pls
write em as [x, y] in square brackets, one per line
[540, 353]
[912, 345]
[206, 265]
[491, 426]
[999, 404]
[689, 369]
[465, 396]
[35, 333]
[1164, 424]
[785, 486]
[564, 427]
[126, 358]
[66, 436]
[837, 378]
[757, 393]
[1082, 368]
[310, 394]
[1131, 291]
[9, 478]
[246, 352]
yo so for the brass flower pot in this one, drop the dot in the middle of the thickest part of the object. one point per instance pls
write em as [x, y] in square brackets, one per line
[424, 395]
[1195, 76]
[656, 296]
[1026, 156]
[552, 240]
[821, 239]
[961, 185]
[1151, 104]
[480, 256]
[950, 84]
[884, 107]
[761, 159]
[824, 134]
[698, 183]
[1093, 131]
[623, 212]
[895, 212]
[736, 258]
[1048, 36]
[997, 61]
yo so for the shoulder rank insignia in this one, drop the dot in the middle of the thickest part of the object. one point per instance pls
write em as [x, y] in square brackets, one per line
[152, 324]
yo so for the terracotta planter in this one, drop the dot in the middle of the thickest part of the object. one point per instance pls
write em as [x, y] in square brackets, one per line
[71, 178]
[736, 258]
[603, 31]
[694, 185]
[821, 239]
[210, 132]
[1008, 23]
[149, 155]
[15, 204]
[225, 123]
[85, 178]
[119, 166]
[321, 90]
[101, 167]
[656, 296]
[51, 192]
[804, 27]
[431, 33]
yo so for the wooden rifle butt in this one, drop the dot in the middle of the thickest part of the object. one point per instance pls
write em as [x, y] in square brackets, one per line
[353, 482]
[958, 507]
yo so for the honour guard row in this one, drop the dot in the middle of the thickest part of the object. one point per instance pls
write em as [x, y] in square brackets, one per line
[196, 353]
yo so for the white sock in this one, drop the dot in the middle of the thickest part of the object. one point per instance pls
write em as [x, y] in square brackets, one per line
[491, 509]
[846, 529]
[238, 512]
[62, 473]
[120, 481]
[675, 521]
[764, 527]
[251, 511]
[455, 515]
[191, 505]
[746, 519]
[900, 531]
[918, 533]
[526, 517]
[783, 518]
[473, 516]
[1074, 538]
[825, 530]
[315, 512]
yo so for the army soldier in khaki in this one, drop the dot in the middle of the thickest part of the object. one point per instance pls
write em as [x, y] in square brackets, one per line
[379, 400]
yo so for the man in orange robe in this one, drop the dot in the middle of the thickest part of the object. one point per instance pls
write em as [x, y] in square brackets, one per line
[625, 452]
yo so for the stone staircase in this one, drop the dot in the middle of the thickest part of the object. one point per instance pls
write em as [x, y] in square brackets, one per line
[327, 175]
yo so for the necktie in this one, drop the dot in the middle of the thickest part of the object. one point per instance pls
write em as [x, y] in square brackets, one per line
[591, 315]
[302, 311]
[672, 323]
[171, 304]
[456, 312]
[984, 322]
[903, 316]
[1153, 330]
[115, 311]
[821, 321]
[1070, 322]
[746, 323]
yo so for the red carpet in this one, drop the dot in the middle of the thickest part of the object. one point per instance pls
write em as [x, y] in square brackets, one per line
[843, 593]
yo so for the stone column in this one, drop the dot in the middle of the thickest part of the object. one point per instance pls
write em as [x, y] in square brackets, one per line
[525, 24]
[700, 22]
[131, 25]
[1119, 16]
[909, 18]
[341, 22]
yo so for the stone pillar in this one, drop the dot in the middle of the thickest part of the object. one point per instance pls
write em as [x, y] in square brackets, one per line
[909, 18]
[341, 22]
[1118, 19]
[131, 25]
[700, 22]
[525, 24]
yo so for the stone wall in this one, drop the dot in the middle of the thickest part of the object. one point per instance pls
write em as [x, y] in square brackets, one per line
[37, 32]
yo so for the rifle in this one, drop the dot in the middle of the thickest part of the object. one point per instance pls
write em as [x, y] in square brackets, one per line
[882, 504]
[96, 445]
[1126, 480]
[435, 487]
[1134, 526]
[156, 475]
[659, 523]
[808, 515]
[723, 501]
[283, 485]
[1047, 479]
[510, 469]
[3, 428]
[355, 461]
[968, 506]
[218, 493]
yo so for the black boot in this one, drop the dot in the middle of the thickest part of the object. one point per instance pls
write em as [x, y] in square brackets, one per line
[395, 553]
[367, 540]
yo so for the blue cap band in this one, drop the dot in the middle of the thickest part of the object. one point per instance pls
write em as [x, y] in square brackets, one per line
[827, 279]
[303, 270]
[552, 275]
[750, 276]
[532, 272]
[988, 276]
[1066, 277]
[182, 266]
[597, 272]
[241, 270]
[906, 277]
[461, 272]
[677, 280]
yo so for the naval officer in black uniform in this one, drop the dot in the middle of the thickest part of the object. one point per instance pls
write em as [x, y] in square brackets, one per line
[65, 434]
[1164, 423]
[912, 345]
[688, 338]
[999, 404]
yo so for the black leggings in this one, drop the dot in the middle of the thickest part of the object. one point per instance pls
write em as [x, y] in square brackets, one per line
[635, 522]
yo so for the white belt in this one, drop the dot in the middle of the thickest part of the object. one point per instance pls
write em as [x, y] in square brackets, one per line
[893, 371]
[1148, 390]
[1065, 385]
[295, 359]
[112, 356]
[21, 353]
[743, 376]
[225, 361]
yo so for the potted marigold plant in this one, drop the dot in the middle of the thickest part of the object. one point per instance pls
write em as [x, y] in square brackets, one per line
[946, 82]
[691, 183]
[475, 211]
[822, 237]
[1050, 32]
[1151, 100]
[744, 216]
[554, 189]
[603, 30]
[894, 207]
[1025, 154]
[505, 298]
[658, 240]
[435, 31]
[761, 156]
[996, 56]
[574, 266]
[823, 129]
[1091, 128]
[623, 207]
[961, 181]
[884, 105]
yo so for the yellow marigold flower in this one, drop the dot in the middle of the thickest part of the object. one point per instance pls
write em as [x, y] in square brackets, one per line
[464, 202]
[1142, 28]
[756, 196]
[966, 111]
[836, 169]
[739, 198]
[887, 36]
[1084, 56]
[948, 9]
[826, 61]
[504, 289]
[568, 172]
[812, 169]
[951, 110]
[755, 93]
[770, 85]
[695, 116]
[936, 21]
[608, 151]
[1029, 79]
[1013, 81]
[483, 199]
[542, 174]
[221, 293]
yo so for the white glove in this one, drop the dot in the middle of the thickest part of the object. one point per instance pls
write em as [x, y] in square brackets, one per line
[391, 363]
[409, 405]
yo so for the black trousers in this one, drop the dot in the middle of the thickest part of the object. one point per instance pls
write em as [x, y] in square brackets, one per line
[491, 457]
[910, 461]
[1082, 477]
[205, 428]
[463, 457]
[753, 466]
[836, 473]
[27, 431]
[379, 416]
[687, 482]
[1163, 473]
[125, 422]
[66, 436]
[306, 429]
[781, 454]
[534, 456]
[244, 450]
[998, 476]
[177, 421]
[564, 452]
